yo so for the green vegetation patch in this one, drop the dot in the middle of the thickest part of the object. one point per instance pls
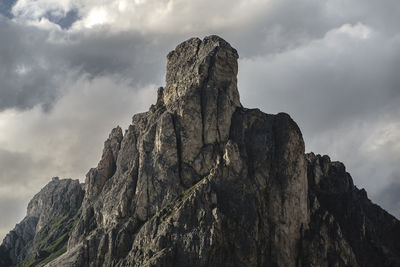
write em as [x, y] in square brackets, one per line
[30, 262]
[50, 249]
[55, 255]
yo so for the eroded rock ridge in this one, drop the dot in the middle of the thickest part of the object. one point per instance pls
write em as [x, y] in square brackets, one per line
[43, 234]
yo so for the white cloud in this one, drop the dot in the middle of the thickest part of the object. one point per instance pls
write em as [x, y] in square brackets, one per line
[359, 30]
[97, 16]
[22, 69]
[36, 9]
[386, 136]
[157, 16]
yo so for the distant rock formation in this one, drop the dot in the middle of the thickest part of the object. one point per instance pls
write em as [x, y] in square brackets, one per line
[199, 180]
[346, 228]
[43, 234]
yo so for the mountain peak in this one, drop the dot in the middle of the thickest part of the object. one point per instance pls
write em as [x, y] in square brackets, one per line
[200, 181]
[208, 65]
[201, 89]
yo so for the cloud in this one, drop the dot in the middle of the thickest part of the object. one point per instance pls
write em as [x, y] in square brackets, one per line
[26, 79]
[369, 150]
[37, 63]
[14, 214]
[344, 76]
[20, 175]
[166, 16]
[389, 197]
[6, 6]
[35, 10]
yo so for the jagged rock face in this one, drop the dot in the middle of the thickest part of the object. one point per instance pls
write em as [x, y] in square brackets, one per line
[201, 87]
[56, 198]
[197, 180]
[4, 257]
[355, 231]
[97, 177]
[47, 223]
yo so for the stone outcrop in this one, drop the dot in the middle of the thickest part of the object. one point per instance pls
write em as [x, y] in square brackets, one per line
[199, 180]
[346, 226]
[44, 231]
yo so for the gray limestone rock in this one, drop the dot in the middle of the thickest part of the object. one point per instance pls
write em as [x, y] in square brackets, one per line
[198, 180]
[357, 232]
[45, 229]
[197, 153]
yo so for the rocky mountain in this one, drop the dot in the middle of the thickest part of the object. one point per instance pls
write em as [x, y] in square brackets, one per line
[43, 234]
[199, 180]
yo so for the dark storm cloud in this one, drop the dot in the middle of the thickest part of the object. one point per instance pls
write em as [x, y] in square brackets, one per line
[34, 68]
[139, 58]
[6, 6]
[25, 79]
[326, 86]
[66, 20]
[35, 65]
[287, 24]
[284, 25]
[390, 197]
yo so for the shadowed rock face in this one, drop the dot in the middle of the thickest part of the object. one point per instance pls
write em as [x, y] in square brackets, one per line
[346, 227]
[198, 180]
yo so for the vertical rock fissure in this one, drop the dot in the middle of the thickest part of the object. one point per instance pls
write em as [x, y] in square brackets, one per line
[217, 119]
[147, 195]
[203, 91]
[279, 179]
[300, 248]
[196, 55]
[135, 181]
[178, 145]
[274, 176]
[136, 172]
[87, 252]
[203, 111]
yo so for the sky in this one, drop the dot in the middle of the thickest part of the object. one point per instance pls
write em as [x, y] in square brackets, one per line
[71, 70]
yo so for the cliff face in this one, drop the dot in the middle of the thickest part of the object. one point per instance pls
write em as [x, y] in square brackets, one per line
[198, 180]
[349, 227]
[212, 182]
[43, 234]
